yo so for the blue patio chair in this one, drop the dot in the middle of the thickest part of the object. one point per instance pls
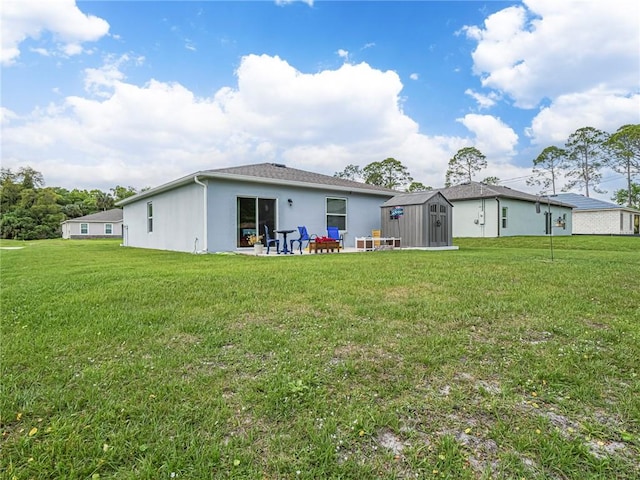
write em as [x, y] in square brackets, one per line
[271, 241]
[304, 237]
[334, 234]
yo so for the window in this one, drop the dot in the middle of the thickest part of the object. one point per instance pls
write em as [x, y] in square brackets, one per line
[108, 228]
[84, 228]
[505, 211]
[621, 221]
[150, 217]
[337, 213]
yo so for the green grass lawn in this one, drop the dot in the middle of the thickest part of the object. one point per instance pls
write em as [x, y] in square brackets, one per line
[487, 362]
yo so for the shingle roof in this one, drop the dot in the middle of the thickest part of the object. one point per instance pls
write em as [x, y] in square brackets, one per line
[587, 203]
[474, 190]
[268, 173]
[278, 171]
[113, 215]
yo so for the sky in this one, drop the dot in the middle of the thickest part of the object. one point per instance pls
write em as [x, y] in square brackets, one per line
[102, 93]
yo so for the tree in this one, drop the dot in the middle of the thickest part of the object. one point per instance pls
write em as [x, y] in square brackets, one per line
[9, 190]
[389, 173]
[629, 197]
[624, 148]
[418, 187]
[30, 178]
[491, 181]
[463, 165]
[585, 157]
[120, 193]
[104, 201]
[546, 168]
[350, 172]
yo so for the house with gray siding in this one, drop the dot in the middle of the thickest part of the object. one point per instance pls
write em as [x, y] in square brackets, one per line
[107, 224]
[218, 210]
[597, 217]
[482, 210]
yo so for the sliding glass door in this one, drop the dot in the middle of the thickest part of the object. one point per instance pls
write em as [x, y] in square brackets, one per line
[253, 214]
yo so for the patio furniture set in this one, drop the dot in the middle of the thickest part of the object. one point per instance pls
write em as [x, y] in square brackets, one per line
[316, 244]
[333, 242]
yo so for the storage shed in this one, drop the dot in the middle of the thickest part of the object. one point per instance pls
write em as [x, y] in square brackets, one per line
[421, 219]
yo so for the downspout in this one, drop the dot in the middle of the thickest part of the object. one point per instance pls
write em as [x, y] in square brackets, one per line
[204, 223]
[499, 216]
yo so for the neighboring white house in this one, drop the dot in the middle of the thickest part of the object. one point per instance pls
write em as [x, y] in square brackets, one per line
[107, 224]
[482, 210]
[597, 217]
[217, 210]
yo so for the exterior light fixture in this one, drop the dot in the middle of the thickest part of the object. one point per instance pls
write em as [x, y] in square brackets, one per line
[290, 202]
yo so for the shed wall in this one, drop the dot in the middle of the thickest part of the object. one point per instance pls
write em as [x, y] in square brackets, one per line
[415, 224]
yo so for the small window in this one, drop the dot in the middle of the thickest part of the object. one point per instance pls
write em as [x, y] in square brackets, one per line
[621, 221]
[337, 213]
[505, 211]
[84, 228]
[108, 228]
[443, 209]
[150, 217]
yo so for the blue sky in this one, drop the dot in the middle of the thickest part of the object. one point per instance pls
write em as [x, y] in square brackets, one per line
[96, 94]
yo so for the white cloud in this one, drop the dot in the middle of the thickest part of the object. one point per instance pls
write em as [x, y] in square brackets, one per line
[493, 137]
[596, 108]
[343, 54]
[146, 135]
[414, 76]
[287, 2]
[546, 48]
[22, 19]
[484, 101]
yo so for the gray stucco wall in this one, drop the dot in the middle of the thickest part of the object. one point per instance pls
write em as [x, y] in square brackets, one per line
[522, 218]
[95, 230]
[177, 220]
[308, 209]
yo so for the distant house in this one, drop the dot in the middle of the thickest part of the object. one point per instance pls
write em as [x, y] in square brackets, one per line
[482, 210]
[597, 217]
[421, 219]
[107, 224]
[218, 210]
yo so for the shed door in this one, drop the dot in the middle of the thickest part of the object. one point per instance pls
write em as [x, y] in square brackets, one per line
[438, 225]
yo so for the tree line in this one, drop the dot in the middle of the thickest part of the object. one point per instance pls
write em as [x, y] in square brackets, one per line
[585, 153]
[31, 211]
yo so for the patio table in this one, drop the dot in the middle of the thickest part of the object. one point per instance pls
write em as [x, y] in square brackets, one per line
[284, 234]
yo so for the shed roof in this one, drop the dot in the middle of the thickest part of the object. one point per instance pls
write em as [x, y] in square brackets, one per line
[587, 203]
[475, 190]
[114, 215]
[274, 173]
[417, 198]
